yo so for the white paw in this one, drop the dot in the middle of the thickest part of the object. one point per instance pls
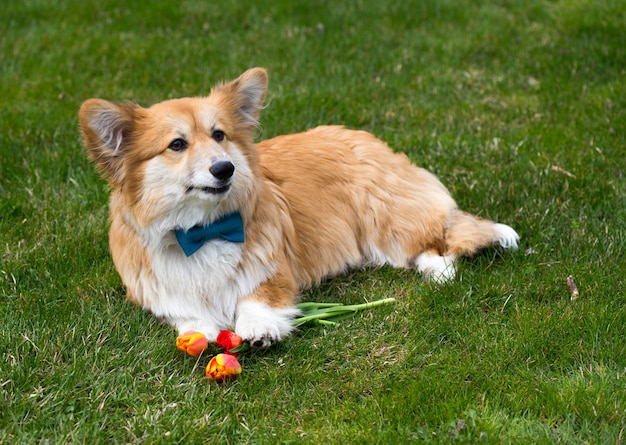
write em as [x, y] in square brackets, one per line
[437, 268]
[260, 325]
[210, 330]
[505, 236]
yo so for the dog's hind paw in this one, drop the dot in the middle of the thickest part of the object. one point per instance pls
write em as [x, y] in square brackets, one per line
[436, 268]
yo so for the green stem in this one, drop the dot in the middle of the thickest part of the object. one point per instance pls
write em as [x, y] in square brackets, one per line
[311, 305]
[325, 311]
[327, 322]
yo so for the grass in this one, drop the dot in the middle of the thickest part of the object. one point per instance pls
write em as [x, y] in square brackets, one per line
[519, 107]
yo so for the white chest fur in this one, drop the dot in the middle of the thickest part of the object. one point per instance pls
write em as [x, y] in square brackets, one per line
[206, 285]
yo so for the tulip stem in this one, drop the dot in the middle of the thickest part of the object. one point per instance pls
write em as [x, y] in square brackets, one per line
[331, 312]
[312, 305]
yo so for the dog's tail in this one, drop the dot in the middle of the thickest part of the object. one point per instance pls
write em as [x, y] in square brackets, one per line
[466, 234]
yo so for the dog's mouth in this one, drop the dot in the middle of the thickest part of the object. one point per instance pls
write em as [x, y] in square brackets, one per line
[210, 190]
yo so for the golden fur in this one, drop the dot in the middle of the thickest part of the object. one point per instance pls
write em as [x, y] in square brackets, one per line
[313, 204]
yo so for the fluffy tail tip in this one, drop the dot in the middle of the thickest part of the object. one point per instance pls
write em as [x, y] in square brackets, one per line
[506, 236]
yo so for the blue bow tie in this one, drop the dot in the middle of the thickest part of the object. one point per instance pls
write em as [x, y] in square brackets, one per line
[228, 227]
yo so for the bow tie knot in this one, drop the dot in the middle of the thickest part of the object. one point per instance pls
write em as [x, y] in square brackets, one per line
[228, 227]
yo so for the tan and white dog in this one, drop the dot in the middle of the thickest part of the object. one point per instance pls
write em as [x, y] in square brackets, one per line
[293, 210]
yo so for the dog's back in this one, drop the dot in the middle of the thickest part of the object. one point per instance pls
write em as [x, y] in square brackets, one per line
[353, 201]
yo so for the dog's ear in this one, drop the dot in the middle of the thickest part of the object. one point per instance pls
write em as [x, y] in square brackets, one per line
[107, 128]
[246, 94]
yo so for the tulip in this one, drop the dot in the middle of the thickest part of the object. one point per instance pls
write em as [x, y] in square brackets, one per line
[223, 367]
[192, 343]
[228, 340]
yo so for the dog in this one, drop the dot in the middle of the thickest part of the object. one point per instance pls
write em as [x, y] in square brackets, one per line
[209, 230]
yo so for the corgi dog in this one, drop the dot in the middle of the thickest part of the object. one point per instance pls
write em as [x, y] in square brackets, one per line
[210, 231]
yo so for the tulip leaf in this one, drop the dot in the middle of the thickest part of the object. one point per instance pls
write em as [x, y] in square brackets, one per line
[241, 348]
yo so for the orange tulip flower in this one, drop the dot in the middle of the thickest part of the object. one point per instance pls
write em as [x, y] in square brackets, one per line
[223, 367]
[192, 343]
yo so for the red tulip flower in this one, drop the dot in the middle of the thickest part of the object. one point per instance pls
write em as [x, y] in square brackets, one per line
[223, 367]
[192, 343]
[229, 341]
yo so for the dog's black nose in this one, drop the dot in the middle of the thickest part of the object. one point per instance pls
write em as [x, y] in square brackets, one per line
[222, 170]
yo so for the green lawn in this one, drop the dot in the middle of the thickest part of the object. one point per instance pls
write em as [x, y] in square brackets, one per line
[519, 107]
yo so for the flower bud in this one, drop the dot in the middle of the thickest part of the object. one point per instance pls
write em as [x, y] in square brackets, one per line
[223, 367]
[192, 343]
[228, 340]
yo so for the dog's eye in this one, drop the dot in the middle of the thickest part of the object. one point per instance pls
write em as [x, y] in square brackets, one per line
[178, 144]
[218, 135]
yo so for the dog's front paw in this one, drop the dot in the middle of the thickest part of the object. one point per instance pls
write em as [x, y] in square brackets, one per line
[261, 325]
[262, 342]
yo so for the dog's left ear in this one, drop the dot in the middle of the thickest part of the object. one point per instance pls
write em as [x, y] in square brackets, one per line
[246, 94]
